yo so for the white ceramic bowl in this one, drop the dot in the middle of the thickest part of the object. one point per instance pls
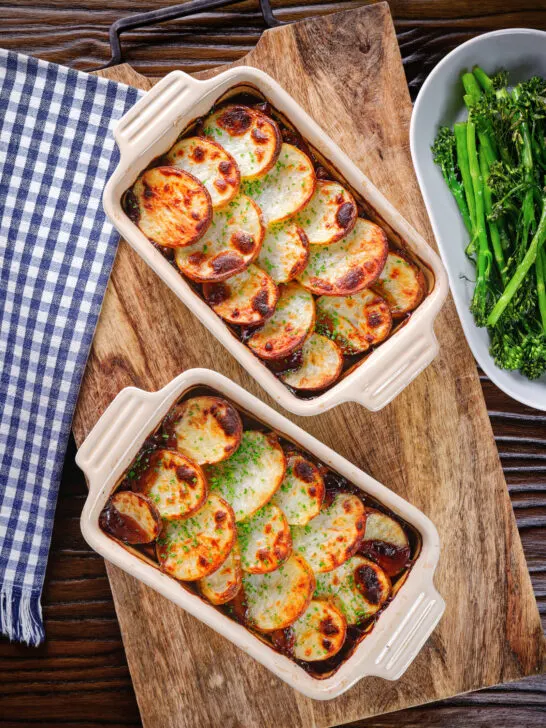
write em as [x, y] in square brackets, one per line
[151, 127]
[401, 629]
[522, 52]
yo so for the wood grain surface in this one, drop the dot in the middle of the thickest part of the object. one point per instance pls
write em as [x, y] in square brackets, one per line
[80, 678]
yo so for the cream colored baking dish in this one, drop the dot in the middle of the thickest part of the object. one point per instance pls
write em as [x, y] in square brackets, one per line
[400, 631]
[151, 127]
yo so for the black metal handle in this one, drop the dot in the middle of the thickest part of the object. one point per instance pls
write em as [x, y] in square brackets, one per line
[165, 14]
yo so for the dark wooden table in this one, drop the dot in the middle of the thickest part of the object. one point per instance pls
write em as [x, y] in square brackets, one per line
[79, 677]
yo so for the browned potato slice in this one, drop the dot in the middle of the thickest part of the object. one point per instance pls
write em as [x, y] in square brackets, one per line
[251, 137]
[302, 491]
[175, 484]
[321, 365]
[211, 164]
[247, 299]
[206, 429]
[401, 284]
[348, 266]
[284, 252]
[332, 536]
[385, 542]
[286, 188]
[358, 587]
[291, 323]
[354, 322]
[248, 479]
[224, 584]
[320, 631]
[264, 540]
[191, 548]
[276, 599]
[170, 206]
[330, 214]
[230, 244]
[131, 517]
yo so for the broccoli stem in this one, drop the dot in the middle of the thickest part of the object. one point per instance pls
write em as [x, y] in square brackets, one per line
[462, 160]
[521, 271]
[483, 79]
[540, 266]
[493, 227]
[472, 90]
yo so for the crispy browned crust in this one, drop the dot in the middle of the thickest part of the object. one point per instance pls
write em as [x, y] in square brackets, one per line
[397, 312]
[290, 346]
[259, 308]
[298, 267]
[327, 380]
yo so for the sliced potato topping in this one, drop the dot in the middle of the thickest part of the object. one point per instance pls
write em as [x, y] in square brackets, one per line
[321, 365]
[264, 539]
[358, 587]
[247, 299]
[302, 490]
[276, 599]
[401, 283]
[248, 479]
[286, 188]
[175, 484]
[348, 266]
[251, 137]
[284, 252]
[130, 517]
[211, 164]
[332, 536]
[330, 214]
[206, 429]
[192, 548]
[320, 631]
[354, 322]
[223, 584]
[289, 326]
[230, 244]
[385, 542]
[170, 206]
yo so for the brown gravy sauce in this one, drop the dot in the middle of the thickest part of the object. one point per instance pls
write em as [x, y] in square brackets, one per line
[280, 640]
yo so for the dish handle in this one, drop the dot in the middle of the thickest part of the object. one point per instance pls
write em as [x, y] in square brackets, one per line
[150, 117]
[399, 649]
[386, 377]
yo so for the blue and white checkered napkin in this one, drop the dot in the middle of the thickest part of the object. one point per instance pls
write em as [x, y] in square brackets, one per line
[56, 252]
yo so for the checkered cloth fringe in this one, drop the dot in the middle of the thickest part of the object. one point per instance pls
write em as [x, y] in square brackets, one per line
[56, 252]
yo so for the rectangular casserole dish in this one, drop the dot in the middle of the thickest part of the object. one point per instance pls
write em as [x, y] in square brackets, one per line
[403, 626]
[151, 128]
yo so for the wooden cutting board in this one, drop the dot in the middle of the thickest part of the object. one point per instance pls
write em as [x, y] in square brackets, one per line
[433, 445]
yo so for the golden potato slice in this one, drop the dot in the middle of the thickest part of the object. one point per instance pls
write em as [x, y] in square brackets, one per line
[291, 323]
[321, 365]
[385, 542]
[211, 164]
[223, 584]
[264, 539]
[348, 266]
[332, 536]
[247, 299]
[359, 588]
[206, 429]
[276, 599]
[330, 214]
[130, 517]
[354, 322]
[229, 245]
[248, 479]
[286, 188]
[191, 548]
[170, 206]
[302, 491]
[284, 252]
[175, 484]
[320, 631]
[401, 283]
[251, 137]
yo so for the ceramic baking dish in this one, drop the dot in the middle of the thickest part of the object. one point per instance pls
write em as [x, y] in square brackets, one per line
[152, 126]
[400, 631]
